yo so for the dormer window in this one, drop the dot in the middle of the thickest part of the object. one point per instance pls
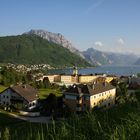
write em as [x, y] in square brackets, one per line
[78, 97]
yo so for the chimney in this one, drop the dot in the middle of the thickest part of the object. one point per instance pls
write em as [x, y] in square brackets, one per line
[93, 86]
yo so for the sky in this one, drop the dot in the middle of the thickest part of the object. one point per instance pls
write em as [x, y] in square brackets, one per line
[107, 25]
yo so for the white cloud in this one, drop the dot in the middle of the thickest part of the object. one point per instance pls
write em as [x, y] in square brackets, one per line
[120, 42]
[98, 44]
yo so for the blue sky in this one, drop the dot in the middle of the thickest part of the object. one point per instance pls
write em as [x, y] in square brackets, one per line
[109, 25]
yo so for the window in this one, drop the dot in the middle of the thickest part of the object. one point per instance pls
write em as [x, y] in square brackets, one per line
[72, 97]
[78, 97]
[3, 102]
[3, 96]
[94, 103]
[86, 98]
[78, 105]
[7, 97]
[13, 96]
[94, 96]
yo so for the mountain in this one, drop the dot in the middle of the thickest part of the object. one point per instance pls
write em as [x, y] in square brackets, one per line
[106, 58]
[137, 62]
[96, 57]
[32, 49]
[55, 38]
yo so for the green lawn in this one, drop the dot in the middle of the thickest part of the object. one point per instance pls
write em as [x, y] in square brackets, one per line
[2, 88]
[44, 92]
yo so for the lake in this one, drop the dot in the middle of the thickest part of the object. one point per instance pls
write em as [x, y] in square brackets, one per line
[115, 70]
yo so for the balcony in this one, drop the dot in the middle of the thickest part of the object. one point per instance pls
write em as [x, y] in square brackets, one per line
[16, 100]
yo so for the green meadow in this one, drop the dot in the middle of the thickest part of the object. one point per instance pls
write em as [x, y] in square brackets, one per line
[44, 92]
[2, 88]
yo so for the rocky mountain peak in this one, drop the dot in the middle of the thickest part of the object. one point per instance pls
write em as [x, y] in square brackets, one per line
[55, 38]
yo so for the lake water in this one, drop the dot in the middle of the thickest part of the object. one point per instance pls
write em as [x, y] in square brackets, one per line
[115, 70]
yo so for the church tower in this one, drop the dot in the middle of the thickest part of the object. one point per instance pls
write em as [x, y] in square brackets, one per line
[75, 71]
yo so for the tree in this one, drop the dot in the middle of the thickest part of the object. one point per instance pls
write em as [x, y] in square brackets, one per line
[51, 102]
[46, 82]
[121, 93]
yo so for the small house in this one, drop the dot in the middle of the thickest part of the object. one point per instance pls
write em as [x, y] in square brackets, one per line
[19, 96]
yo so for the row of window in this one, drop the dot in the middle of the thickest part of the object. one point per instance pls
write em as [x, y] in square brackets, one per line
[73, 97]
[5, 103]
[101, 102]
[101, 94]
[84, 105]
[5, 96]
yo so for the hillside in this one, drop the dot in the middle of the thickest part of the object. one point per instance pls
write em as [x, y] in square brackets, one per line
[55, 38]
[107, 58]
[32, 49]
[96, 57]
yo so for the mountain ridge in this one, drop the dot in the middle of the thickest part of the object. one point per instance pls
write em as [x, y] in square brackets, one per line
[93, 56]
[97, 57]
[57, 38]
[32, 49]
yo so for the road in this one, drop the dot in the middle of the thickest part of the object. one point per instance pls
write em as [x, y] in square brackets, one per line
[40, 119]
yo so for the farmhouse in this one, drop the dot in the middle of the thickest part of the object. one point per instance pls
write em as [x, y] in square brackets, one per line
[82, 97]
[19, 96]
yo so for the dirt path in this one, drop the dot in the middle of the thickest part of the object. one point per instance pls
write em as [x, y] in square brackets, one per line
[40, 119]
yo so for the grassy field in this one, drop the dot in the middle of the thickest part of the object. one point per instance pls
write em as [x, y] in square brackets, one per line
[2, 88]
[122, 122]
[118, 123]
[44, 92]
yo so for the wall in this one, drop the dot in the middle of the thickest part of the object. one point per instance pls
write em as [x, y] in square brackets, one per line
[8, 95]
[87, 78]
[5, 97]
[103, 99]
[66, 78]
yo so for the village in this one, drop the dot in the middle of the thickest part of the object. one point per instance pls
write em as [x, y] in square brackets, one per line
[78, 93]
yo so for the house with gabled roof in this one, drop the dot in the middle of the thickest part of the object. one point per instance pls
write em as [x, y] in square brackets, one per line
[85, 97]
[19, 96]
